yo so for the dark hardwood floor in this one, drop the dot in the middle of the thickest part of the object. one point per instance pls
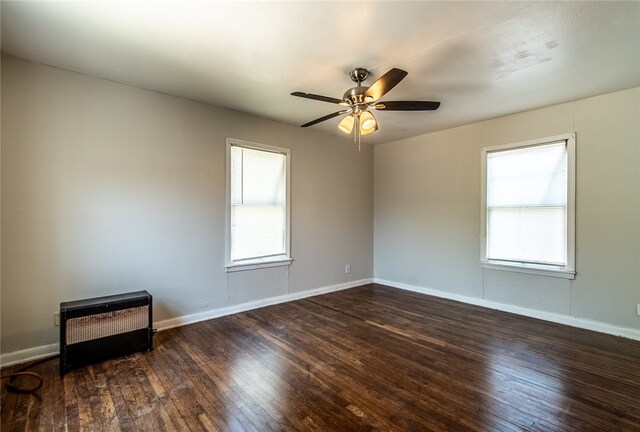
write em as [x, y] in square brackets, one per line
[368, 358]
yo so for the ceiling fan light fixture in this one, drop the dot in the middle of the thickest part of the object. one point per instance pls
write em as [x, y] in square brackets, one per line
[368, 123]
[360, 99]
[346, 125]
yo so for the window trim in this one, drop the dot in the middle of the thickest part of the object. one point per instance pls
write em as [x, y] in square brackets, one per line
[265, 262]
[566, 272]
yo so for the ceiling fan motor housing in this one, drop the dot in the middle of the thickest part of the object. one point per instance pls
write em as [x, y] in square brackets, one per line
[355, 96]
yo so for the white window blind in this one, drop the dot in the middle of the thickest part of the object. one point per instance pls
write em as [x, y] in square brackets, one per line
[258, 213]
[526, 200]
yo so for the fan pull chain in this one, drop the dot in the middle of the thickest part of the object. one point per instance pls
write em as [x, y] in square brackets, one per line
[356, 131]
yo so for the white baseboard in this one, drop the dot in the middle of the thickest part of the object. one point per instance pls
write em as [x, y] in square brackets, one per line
[587, 324]
[230, 310]
[42, 351]
[39, 352]
[29, 354]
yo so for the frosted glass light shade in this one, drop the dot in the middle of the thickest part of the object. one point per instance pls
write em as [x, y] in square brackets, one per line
[346, 125]
[368, 123]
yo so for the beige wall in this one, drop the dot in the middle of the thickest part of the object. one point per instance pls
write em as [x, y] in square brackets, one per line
[427, 211]
[108, 188]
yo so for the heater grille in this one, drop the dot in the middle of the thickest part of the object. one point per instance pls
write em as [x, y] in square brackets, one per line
[97, 329]
[97, 326]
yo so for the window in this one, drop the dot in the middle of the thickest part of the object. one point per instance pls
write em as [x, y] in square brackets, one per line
[257, 206]
[528, 211]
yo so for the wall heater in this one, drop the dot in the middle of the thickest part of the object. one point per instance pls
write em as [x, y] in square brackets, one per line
[100, 328]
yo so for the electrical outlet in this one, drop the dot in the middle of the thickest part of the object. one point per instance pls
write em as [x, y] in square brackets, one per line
[347, 268]
[56, 319]
[638, 305]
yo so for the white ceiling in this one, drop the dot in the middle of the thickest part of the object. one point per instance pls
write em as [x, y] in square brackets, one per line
[480, 59]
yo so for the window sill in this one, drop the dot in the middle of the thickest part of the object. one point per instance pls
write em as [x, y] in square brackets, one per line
[530, 269]
[254, 265]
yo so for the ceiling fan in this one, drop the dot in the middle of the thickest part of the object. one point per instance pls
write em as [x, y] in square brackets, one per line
[361, 99]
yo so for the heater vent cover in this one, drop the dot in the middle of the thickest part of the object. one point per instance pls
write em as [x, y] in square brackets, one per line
[97, 326]
[96, 329]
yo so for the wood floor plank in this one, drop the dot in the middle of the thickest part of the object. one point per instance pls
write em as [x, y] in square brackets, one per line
[231, 395]
[349, 376]
[160, 385]
[271, 354]
[370, 358]
[179, 389]
[405, 385]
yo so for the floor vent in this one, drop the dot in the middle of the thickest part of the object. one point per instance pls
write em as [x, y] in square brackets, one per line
[100, 328]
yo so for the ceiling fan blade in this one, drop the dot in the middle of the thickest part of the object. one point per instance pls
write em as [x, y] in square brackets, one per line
[317, 97]
[407, 105]
[327, 117]
[385, 83]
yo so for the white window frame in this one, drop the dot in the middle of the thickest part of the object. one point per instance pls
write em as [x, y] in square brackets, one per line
[257, 263]
[566, 272]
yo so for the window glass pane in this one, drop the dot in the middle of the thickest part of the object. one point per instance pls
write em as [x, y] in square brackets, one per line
[236, 175]
[257, 231]
[258, 203]
[527, 177]
[527, 204]
[263, 177]
[528, 234]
